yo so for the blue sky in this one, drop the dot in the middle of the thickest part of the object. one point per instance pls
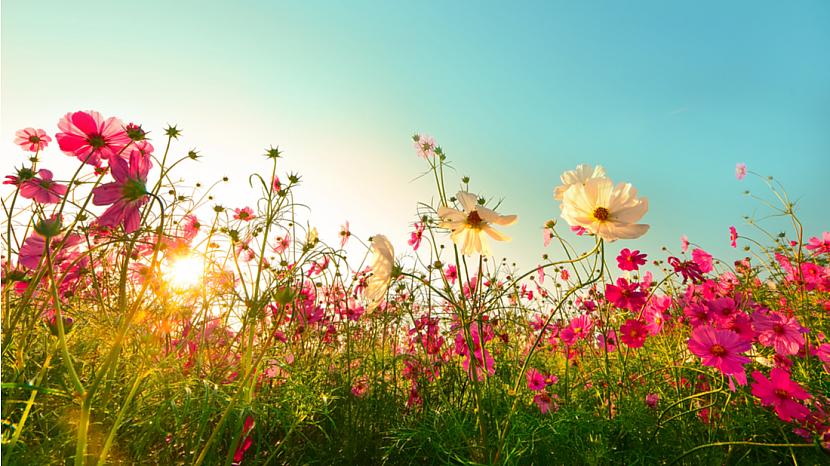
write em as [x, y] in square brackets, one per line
[667, 96]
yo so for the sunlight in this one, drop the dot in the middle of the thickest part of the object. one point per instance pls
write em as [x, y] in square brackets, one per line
[185, 272]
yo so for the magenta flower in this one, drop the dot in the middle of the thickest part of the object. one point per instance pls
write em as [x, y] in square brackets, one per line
[720, 349]
[684, 243]
[688, 269]
[580, 327]
[425, 146]
[819, 246]
[190, 226]
[654, 320]
[282, 243]
[43, 189]
[625, 295]
[740, 171]
[451, 274]
[246, 214]
[544, 402]
[652, 399]
[33, 246]
[417, 235]
[630, 261]
[703, 260]
[276, 186]
[535, 380]
[733, 236]
[344, 234]
[579, 230]
[608, 341]
[698, 314]
[723, 308]
[565, 275]
[32, 140]
[360, 387]
[781, 392]
[126, 194]
[633, 333]
[90, 138]
[779, 331]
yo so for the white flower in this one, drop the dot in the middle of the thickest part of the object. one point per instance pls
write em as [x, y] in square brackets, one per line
[469, 226]
[582, 174]
[383, 259]
[608, 212]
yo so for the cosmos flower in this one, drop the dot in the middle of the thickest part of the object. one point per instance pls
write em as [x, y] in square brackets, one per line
[630, 261]
[733, 236]
[684, 243]
[425, 146]
[604, 210]
[126, 194]
[451, 274]
[740, 171]
[43, 189]
[720, 349]
[470, 225]
[633, 333]
[703, 260]
[245, 213]
[781, 392]
[819, 246]
[345, 234]
[32, 140]
[90, 138]
[417, 235]
[581, 175]
[383, 256]
[778, 331]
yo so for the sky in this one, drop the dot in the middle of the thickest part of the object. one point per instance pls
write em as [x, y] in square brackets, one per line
[667, 96]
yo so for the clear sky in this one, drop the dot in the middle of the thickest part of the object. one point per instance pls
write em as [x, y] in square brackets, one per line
[668, 96]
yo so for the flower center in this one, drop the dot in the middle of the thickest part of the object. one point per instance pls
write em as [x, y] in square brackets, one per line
[719, 351]
[96, 140]
[781, 393]
[778, 329]
[474, 220]
[544, 397]
[34, 139]
[601, 214]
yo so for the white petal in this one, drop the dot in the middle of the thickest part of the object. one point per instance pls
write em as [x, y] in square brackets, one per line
[451, 214]
[495, 234]
[467, 200]
[631, 214]
[506, 220]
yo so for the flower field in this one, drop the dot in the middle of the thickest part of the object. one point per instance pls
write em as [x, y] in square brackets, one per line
[143, 323]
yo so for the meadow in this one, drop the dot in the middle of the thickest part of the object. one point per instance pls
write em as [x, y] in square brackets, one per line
[146, 323]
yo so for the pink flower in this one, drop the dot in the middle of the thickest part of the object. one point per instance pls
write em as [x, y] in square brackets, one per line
[126, 194]
[684, 243]
[740, 171]
[733, 236]
[565, 275]
[544, 402]
[360, 387]
[688, 269]
[417, 235]
[245, 213]
[540, 272]
[282, 243]
[90, 138]
[625, 295]
[720, 349]
[779, 391]
[535, 380]
[633, 333]
[608, 341]
[703, 260]
[425, 146]
[723, 308]
[42, 189]
[628, 260]
[579, 230]
[344, 234]
[652, 400]
[819, 246]
[32, 140]
[580, 327]
[451, 274]
[547, 235]
[32, 249]
[654, 320]
[698, 314]
[275, 184]
[779, 331]
[190, 226]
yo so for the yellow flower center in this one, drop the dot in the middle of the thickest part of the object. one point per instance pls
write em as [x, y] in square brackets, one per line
[601, 214]
[474, 220]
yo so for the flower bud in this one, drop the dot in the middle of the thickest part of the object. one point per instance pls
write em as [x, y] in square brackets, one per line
[52, 322]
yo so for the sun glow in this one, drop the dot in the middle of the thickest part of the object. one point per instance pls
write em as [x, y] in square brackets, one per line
[185, 272]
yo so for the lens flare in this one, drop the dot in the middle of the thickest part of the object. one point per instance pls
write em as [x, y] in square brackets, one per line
[186, 272]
